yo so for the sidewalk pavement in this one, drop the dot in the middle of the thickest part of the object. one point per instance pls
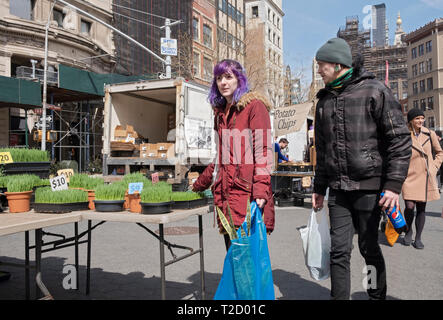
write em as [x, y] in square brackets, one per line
[125, 263]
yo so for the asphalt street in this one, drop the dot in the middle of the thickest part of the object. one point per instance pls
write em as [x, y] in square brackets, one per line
[125, 262]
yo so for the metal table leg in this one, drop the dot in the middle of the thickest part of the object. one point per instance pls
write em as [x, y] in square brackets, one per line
[162, 261]
[202, 263]
[76, 256]
[27, 286]
[88, 262]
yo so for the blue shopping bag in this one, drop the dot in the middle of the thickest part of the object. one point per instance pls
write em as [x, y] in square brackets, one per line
[247, 273]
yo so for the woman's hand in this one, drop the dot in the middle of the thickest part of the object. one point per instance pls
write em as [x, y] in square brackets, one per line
[260, 203]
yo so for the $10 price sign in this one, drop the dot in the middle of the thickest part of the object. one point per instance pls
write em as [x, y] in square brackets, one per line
[59, 183]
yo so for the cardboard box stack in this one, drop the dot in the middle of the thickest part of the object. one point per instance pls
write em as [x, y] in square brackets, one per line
[157, 150]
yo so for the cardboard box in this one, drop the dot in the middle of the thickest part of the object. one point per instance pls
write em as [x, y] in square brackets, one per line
[192, 177]
[167, 154]
[151, 154]
[164, 146]
[148, 146]
[119, 133]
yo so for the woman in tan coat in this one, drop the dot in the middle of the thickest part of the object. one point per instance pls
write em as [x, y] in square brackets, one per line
[420, 185]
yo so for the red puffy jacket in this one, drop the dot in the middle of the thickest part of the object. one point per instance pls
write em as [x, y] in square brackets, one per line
[244, 159]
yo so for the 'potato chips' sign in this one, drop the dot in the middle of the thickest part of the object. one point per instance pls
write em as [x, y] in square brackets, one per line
[290, 119]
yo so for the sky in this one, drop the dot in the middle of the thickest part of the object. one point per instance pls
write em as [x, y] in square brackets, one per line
[307, 25]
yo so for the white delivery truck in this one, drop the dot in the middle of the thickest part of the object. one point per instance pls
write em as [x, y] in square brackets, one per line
[147, 106]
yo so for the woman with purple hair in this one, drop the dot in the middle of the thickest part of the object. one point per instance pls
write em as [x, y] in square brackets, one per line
[241, 170]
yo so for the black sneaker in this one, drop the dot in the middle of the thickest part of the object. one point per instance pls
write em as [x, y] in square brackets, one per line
[418, 244]
[407, 241]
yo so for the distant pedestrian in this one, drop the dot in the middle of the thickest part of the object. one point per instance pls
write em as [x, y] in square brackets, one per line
[363, 147]
[282, 144]
[241, 170]
[420, 185]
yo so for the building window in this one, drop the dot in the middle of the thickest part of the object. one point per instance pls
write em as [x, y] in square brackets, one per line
[430, 122]
[429, 46]
[85, 27]
[207, 68]
[221, 35]
[269, 35]
[422, 86]
[230, 37]
[195, 29]
[421, 67]
[278, 23]
[430, 84]
[416, 104]
[22, 8]
[255, 12]
[207, 35]
[404, 85]
[415, 88]
[431, 103]
[58, 16]
[278, 42]
[196, 65]
[224, 5]
[414, 53]
[423, 104]
[414, 70]
[421, 50]
[429, 65]
[269, 14]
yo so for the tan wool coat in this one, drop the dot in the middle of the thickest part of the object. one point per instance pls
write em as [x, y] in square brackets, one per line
[421, 183]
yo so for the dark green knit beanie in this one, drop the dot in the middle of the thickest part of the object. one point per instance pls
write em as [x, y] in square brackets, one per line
[336, 50]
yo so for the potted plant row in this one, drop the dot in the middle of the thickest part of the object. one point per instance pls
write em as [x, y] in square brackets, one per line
[132, 201]
[84, 182]
[19, 191]
[110, 197]
[48, 201]
[33, 161]
[188, 200]
[157, 198]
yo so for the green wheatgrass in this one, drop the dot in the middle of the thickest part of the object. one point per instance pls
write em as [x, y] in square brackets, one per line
[114, 191]
[157, 193]
[46, 195]
[186, 196]
[27, 155]
[84, 181]
[21, 183]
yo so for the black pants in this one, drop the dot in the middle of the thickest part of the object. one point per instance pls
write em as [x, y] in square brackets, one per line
[359, 210]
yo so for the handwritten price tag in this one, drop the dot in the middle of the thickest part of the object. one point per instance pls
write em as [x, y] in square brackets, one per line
[68, 173]
[154, 178]
[135, 187]
[59, 183]
[5, 157]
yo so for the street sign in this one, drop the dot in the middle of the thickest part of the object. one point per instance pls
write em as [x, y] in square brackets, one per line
[168, 47]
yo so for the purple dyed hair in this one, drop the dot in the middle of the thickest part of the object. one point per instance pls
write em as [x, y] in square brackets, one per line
[228, 66]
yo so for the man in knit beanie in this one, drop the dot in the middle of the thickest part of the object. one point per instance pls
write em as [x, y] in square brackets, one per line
[363, 148]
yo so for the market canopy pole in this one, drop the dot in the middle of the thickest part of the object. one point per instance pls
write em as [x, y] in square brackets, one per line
[166, 62]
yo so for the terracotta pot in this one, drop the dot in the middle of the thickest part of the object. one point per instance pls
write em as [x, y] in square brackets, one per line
[91, 198]
[126, 204]
[134, 203]
[19, 201]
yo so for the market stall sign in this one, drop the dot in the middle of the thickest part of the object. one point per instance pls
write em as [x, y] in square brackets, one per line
[5, 157]
[68, 173]
[135, 187]
[59, 183]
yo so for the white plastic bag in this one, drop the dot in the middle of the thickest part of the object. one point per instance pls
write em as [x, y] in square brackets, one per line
[317, 245]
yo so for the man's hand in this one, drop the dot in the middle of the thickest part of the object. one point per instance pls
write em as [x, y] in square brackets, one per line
[260, 203]
[317, 201]
[389, 200]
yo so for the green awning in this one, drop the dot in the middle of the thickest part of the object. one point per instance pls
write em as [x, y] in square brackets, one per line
[19, 93]
[90, 82]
